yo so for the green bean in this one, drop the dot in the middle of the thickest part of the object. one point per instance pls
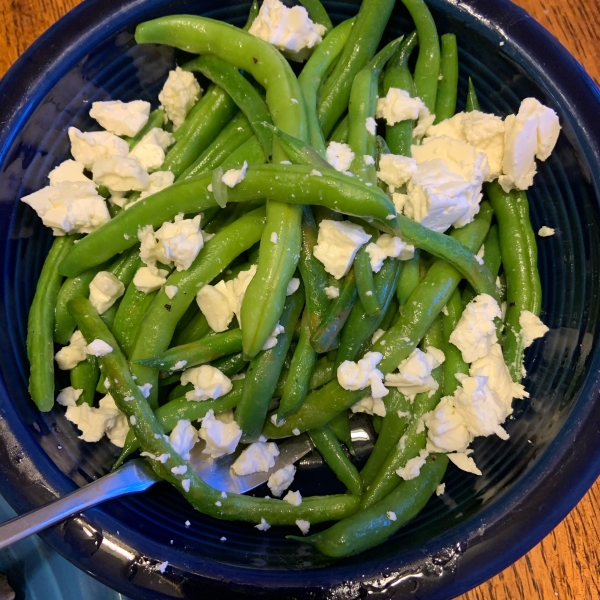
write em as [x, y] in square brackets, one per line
[340, 133]
[491, 259]
[313, 74]
[250, 151]
[155, 119]
[317, 13]
[360, 326]
[264, 371]
[365, 284]
[415, 437]
[445, 104]
[231, 137]
[454, 362]
[84, 376]
[324, 337]
[341, 427]
[362, 44]
[149, 433]
[241, 91]
[230, 365]
[409, 278]
[370, 527]
[197, 328]
[472, 100]
[427, 68]
[252, 14]
[40, 325]
[178, 408]
[336, 459]
[313, 272]
[391, 314]
[299, 152]
[426, 302]
[397, 75]
[521, 274]
[300, 372]
[200, 352]
[156, 329]
[217, 109]
[392, 428]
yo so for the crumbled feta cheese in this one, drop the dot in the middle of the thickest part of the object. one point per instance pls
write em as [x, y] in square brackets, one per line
[121, 118]
[414, 373]
[371, 125]
[263, 525]
[368, 160]
[332, 292]
[546, 231]
[161, 567]
[157, 181]
[181, 470]
[293, 498]
[146, 281]
[69, 356]
[272, 339]
[532, 327]
[388, 246]
[274, 238]
[171, 291]
[221, 438]
[232, 177]
[370, 406]
[183, 438]
[87, 148]
[531, 133]
[396, 170]
[316, 173]
[398, 106]
[440, 489]
[95, 422]
[475, 331]
[426, 120]
[150, 150]
[180, 92]
[209, 383]
[303, 525]
[220, 302]
[296, 431]
[482, 130]
[288, 29]
[68, 170]
[391, 515]
[69, 207]
[257, 457]
[105, 290]
[339, 156]
[133, 419]
[68, 396]
[359, 375]
[337, 245]
[120, 174]
[98, 348]
[281, 480]
[293, 286]
[464, 462]
[412, 469]
[377, 335]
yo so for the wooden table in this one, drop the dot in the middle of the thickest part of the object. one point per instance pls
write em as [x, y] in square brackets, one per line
[566, 564]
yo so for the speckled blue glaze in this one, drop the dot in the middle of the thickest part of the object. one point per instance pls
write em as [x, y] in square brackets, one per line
[462, 538]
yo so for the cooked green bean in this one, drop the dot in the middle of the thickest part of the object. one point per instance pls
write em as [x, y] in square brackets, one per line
[454, 362]
[409, 278]
[84, 376]
[472, 100]
[445, 104]
[340, 133]
[365, 283]
[317, 13]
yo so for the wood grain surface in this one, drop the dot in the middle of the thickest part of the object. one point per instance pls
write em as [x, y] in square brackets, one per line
[566, 564]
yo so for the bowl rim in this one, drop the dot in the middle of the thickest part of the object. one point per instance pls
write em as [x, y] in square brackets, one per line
[558, 473]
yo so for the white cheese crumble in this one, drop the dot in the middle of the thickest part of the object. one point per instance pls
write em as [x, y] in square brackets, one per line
[146, 281]
[414, 373]
[303, 525]
[388, 246]
[68, 396]
[332, 292]
[532, 327]
[339, 156]
[105, 290]
[221, 301]
[209, 383]
[257, 457]
[183, 438]
[121, 118]
[475, 332]
[396, 170]
[412, 469]
[68, 170]
[531, 133]
[288, 29]
[337, 245]
[221, 438]
[371, 125]
[377, 335]
[440, 489]
[391, 515]
[98, 348]
[272, 339]
[171, 292]
[293, 498]
[234, 176]
[157, 181]
[281, 480]
[120, 174]
[292, 286]
[68, 357]
[274, 238]
[359, 375]
[370, 406]
[263, 525]
[180, 92]
[545, 231]
[397, 105]
[150, 150]
[88, 147]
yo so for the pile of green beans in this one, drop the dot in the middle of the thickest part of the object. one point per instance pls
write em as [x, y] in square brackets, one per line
[256, 111]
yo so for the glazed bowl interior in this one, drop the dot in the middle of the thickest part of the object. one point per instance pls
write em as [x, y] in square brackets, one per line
[482, 523]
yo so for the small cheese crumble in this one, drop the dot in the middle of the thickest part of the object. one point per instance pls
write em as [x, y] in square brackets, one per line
[546, 231]
[263, 525]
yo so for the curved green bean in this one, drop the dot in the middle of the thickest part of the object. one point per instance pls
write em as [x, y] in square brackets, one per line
[445, 104]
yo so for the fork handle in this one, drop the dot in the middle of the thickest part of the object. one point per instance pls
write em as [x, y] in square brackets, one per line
[135, 476]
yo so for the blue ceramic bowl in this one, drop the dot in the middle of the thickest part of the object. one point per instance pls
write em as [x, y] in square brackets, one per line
[483, 523]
